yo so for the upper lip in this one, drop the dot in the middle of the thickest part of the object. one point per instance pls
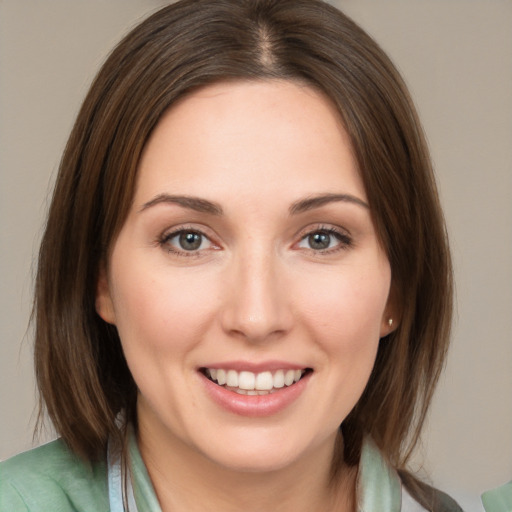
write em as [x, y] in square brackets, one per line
[255, 367]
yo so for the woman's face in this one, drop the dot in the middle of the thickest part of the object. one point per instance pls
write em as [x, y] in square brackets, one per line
[247, 284]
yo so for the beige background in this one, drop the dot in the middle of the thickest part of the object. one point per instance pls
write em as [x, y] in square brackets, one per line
[456, 56]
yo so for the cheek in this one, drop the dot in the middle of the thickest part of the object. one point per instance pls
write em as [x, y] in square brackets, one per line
[346, 308]
[344, 318]
[160, 310]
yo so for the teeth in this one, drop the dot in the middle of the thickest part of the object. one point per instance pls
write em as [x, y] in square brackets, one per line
[264, 381]
[249, 383]
[232, 378]
[246, 380]
[221, 377]
[288, 377]
[279, 379]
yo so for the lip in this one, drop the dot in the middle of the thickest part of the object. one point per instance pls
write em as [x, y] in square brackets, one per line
[241, 366]
[257, 405]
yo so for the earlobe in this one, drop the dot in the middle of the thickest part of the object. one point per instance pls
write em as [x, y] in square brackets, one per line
[104, 305]
[388, 325]
[391, 317]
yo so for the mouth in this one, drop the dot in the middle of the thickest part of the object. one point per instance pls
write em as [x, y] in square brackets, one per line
[249, 383]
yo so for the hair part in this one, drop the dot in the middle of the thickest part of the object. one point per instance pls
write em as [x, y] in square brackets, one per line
[82, 375]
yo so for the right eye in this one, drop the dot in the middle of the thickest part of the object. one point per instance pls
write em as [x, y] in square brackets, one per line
[325, 240]
[186, 242]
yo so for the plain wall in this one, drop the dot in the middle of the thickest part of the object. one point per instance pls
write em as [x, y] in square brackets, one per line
[456, 55]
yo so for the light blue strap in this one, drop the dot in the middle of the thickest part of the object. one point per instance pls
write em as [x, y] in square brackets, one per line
[115, 485]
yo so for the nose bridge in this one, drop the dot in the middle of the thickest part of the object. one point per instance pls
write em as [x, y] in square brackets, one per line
[257, 305]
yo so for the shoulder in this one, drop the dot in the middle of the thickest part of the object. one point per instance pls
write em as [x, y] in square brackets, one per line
[52, 477]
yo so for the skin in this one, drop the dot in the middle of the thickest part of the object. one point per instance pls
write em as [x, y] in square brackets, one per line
[256, 290]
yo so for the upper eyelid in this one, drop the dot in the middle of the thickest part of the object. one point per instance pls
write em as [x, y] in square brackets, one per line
[214, 239]
[332, 228]
[203, 230]
[171, 233]
[343, 235]
[164, 242]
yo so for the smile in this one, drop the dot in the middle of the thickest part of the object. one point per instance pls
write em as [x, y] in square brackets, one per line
[249, 383]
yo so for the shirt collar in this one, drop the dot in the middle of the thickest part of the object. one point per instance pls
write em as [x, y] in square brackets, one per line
[378, 484]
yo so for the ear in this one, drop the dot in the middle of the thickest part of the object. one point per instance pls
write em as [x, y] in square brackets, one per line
[391, 316]
[104, 304]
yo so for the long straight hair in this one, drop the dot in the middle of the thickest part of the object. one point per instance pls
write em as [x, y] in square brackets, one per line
[82, 375]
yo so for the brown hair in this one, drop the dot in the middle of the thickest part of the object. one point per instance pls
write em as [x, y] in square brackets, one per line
[82, 375]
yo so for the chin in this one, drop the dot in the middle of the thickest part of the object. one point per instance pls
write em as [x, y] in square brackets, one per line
[248, 462]
[257, 454]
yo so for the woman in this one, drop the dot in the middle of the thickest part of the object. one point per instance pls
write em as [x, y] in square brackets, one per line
[245, 250]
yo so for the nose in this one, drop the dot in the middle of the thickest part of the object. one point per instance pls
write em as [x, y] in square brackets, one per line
[257, 306]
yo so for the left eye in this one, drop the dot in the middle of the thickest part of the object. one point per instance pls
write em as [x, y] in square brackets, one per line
[323, 240]
[188, 241]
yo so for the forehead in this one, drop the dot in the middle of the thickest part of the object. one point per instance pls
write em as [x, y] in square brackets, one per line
[248, 138]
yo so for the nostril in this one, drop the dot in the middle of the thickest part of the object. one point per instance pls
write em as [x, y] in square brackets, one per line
[258, 309]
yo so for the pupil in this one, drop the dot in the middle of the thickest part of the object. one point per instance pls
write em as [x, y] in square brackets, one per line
[319, 240]
[190, 241]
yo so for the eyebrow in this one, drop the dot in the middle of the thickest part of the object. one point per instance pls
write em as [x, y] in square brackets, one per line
[192, 203]
[204, 206]
[309, 203]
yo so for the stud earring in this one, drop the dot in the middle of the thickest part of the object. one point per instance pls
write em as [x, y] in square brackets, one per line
[390, 322]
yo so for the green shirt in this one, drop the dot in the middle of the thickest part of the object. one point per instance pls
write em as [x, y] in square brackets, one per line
[52, 478]
[498, 500]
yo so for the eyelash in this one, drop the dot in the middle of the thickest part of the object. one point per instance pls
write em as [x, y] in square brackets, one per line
[165, 239]
[345, 241]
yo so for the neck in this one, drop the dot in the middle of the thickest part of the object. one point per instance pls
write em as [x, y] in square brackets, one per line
[185, 480]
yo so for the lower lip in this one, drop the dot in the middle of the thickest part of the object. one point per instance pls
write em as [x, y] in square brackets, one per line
[255, 405]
